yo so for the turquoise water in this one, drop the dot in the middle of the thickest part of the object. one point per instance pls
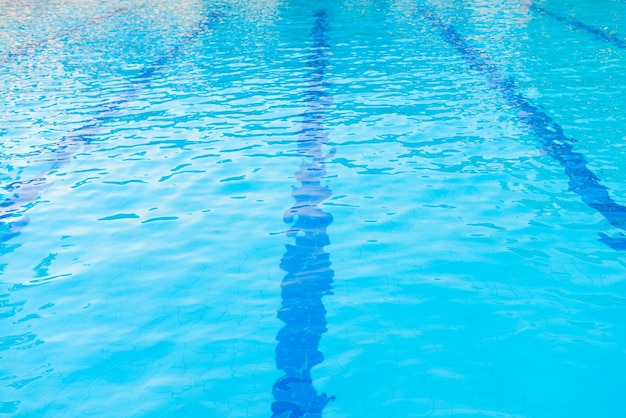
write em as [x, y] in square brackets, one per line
[304, 209]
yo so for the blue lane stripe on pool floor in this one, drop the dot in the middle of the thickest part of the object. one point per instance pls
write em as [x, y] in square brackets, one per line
[607, 37]
[309, 276]
[32, 47]
[23, 193]
[582, 180]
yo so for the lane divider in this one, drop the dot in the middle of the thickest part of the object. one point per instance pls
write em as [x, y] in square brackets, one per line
[555, 143]
[23, 194]
[606, 37]
[309, 276]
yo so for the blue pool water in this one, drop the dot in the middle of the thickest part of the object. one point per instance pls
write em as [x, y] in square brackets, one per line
[293, 209]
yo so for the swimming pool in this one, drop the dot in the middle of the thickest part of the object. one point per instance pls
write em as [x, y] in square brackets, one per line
[289, 208]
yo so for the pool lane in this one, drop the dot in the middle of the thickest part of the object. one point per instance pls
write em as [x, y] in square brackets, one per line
[555, 143]
[23, 194]
[598, 33]
[309, 276]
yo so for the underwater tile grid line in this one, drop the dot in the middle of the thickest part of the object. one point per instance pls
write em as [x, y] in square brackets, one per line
[141, 251]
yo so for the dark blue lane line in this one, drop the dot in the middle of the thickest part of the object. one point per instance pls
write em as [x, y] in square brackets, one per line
[23, 194]
[309, 276]
[600, 34]
[582, 180]
[32, 47]
[208, 20]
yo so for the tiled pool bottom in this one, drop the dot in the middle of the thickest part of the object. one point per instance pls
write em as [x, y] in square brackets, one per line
[340, 209]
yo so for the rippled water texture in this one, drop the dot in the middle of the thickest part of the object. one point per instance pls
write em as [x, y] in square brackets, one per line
[302, 209]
